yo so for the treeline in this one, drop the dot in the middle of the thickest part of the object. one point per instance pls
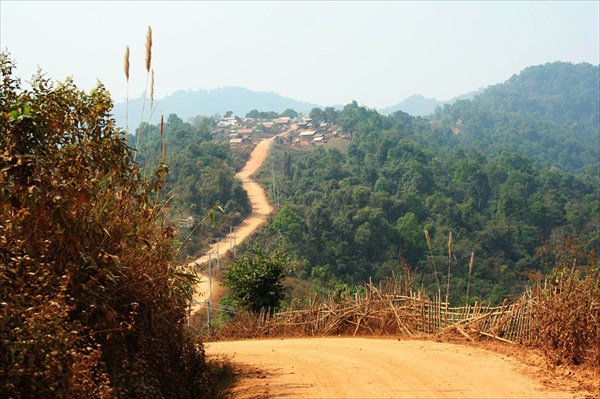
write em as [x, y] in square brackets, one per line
[201, 175]
[348, 216]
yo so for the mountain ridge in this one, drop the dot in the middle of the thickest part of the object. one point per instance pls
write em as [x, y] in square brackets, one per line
[207, 102]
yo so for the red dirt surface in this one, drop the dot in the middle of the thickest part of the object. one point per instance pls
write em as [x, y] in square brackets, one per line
[381, 368]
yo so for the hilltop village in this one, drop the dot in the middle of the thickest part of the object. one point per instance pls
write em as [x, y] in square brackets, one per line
[300, 131]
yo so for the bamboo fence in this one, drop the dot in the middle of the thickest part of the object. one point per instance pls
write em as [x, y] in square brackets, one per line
[388, 310]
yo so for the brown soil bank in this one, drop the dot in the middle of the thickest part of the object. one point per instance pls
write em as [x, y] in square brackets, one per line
[378, 368]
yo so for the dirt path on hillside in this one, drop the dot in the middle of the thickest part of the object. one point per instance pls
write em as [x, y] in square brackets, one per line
[261, 209]
[377, 368]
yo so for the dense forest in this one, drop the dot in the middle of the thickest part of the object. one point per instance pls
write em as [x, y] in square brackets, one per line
[548, 112]
[200, 175]
[521, 169]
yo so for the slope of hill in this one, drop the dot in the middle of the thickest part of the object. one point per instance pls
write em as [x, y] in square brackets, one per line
[187, 104]
[500, 171]
[547, 112]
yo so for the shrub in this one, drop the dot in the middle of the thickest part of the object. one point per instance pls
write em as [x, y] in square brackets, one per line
[566, 324]
[256, 281]
[91, 302]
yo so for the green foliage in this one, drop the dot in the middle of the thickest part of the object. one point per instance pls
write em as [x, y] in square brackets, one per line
[92, 303]
[266, 114]
[352, 216]
[290, 113]
[256, 280]
[549, 112]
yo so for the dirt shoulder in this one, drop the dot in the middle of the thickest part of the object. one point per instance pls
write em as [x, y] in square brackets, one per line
[380, 368]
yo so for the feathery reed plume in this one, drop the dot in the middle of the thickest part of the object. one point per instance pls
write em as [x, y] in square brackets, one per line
[148, 48]
[126, 67]
[428, 241]
[469, 278]
[437, 283]
[449, 263]
[148, 61]
[127, 63]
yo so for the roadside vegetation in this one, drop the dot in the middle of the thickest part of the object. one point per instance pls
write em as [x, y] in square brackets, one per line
[92, 300]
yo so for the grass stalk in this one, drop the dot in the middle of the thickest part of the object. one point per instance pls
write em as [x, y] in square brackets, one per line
[449, 264]
[469, 277]
[126, 67]
[437, 282]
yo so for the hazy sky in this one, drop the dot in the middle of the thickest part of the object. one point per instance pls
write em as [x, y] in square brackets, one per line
[377, 53]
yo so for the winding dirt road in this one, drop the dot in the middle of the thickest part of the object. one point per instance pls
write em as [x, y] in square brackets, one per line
[377, 368]
[261, 209]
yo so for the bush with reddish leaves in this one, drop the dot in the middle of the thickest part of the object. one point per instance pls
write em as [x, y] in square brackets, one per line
[566, 324]
[92, 303]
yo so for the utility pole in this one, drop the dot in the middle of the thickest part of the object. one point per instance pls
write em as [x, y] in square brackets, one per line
[209, 288]
[218, 257]
[232, 230]
[275, 193]
[234, 243]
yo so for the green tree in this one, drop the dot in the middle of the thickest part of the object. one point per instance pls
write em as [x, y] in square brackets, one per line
[316, 114]
[253, 114]
[289, 113]
[256, 280]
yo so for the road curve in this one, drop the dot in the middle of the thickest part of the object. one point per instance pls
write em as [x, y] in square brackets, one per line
[376, 368]
[261, 209]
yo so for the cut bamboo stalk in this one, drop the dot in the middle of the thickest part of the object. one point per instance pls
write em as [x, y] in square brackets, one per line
[496, 337]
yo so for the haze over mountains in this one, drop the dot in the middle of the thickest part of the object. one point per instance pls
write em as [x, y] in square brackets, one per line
[189, 103]
[417, 105]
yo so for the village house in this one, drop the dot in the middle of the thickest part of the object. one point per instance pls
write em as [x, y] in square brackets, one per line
[307, 135]
[282, 121]
[458, 126]
[239, 141]
[229, 121]
[245, 132]
[319, 139]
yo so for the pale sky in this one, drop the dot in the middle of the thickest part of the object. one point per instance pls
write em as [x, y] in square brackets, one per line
[377, 53]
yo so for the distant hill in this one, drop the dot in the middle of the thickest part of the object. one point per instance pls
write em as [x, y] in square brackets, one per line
[187, 104]
[417, 105]
[549, 112]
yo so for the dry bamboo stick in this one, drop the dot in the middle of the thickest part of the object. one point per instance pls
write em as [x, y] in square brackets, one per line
[463, 332]
[496, 337]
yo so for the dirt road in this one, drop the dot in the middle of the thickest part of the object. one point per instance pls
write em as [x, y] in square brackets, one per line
[376, 368]
[261, 209]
